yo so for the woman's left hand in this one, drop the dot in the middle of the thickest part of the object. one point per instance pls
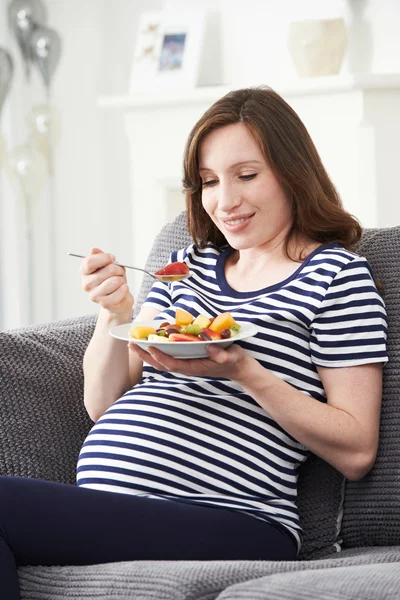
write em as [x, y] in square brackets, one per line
[229, 364]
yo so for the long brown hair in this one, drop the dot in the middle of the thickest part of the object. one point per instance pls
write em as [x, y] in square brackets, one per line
[287, 147]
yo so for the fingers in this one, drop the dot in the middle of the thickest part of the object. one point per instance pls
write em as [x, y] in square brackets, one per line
[220, 362]
[112, 299]
[97, 268]
[95, 251]
[97, 259]
[163, 362]
[226, 356]
[106, 279]
[103, 281]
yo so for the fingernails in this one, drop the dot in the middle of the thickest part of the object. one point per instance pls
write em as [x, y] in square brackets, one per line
[112, 257]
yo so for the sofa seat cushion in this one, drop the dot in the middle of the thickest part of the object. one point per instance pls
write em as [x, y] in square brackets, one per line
[195, 580]
[362, 582]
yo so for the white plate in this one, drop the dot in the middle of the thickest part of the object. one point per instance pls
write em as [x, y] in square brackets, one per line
[181, 349]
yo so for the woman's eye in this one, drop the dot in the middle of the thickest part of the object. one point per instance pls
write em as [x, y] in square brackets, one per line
[248, 177]
[209, 183]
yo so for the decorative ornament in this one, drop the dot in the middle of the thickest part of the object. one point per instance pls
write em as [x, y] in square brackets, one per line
[44, 121]
[27, 166]
[23, 16]
[45, 44]
[6, 73]
[317, 47]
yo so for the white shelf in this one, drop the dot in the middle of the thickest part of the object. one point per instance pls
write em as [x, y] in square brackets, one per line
[166, 97]
[207, 95]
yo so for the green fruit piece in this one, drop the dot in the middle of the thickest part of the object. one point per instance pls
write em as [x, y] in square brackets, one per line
[193, 329]
[235, 329]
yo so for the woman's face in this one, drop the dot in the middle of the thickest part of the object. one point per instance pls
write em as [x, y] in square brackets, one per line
[240, 193]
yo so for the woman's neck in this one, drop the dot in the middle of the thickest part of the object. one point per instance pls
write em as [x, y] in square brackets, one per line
[276, 251]
[257, 268]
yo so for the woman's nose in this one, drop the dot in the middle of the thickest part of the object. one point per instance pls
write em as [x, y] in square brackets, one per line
[228, 197]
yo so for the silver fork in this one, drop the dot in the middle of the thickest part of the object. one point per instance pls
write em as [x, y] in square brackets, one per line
[176, 277]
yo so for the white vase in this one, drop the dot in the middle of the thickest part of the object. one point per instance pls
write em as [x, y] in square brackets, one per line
[317, 47]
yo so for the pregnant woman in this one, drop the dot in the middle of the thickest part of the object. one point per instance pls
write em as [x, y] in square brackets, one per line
[198, 459]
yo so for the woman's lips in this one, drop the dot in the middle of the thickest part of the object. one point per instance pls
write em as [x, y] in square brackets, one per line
[237, 224]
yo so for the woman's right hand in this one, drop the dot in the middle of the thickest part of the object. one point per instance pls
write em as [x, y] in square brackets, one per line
[105, 283]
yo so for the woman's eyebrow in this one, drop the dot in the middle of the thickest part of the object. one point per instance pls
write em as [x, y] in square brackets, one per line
[238, 164]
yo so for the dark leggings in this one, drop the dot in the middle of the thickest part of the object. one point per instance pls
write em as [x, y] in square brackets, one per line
[46, 523]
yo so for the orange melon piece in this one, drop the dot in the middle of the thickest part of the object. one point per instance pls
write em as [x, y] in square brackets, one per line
[223, 321]
[141, 332]
[182, 317]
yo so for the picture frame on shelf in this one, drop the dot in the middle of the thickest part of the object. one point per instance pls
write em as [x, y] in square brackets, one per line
[167, 50]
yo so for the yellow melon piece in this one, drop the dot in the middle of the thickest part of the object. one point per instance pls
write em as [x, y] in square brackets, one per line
[223, 321]
[141, 332]
[182, 317]
[202, 321]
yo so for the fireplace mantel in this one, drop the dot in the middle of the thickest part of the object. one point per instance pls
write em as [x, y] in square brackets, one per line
[288, 89]
[354, 122]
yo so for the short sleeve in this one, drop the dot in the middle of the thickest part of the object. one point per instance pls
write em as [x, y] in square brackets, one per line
[350, 326]
[159, 296]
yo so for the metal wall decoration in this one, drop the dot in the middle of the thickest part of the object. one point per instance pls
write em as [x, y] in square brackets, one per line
[30, 164]
[23, 17]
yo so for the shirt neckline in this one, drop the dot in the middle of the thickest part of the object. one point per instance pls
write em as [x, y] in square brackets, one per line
[225, 287]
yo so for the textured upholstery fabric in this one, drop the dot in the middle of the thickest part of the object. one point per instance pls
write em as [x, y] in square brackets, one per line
[320, 485]
[42, 418]
[185, 580]
[345, 580]
[372, 505]
[43, 424]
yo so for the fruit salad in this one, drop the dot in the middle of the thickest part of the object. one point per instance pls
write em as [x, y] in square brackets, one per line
[188, 328]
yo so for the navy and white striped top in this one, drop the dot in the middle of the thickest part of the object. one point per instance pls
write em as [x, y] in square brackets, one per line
[204, 440]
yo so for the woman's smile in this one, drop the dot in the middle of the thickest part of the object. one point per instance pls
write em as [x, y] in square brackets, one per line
[236, 224]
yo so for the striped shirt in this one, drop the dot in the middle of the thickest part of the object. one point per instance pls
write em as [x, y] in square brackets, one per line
[204, 440]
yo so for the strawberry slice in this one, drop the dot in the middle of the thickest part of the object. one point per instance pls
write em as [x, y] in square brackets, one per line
[183, 337]
[210, 334]
[175, 268]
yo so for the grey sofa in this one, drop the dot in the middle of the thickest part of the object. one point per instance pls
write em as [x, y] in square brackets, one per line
[43, 424]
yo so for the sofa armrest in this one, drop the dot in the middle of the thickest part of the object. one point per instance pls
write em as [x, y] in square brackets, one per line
[43, 421]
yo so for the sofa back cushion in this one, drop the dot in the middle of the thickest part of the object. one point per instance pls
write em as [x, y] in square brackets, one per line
[372, 505]
[43, 421]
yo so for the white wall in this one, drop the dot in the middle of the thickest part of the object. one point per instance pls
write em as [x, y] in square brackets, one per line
[93, 182]
[90, 188]
[255, 35]
[91, 185]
